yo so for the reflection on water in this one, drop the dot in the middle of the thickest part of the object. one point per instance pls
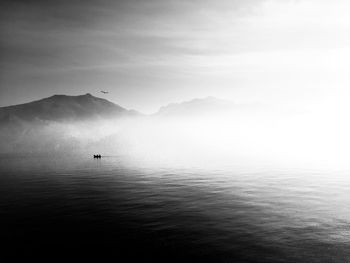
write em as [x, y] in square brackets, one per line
[118, 206]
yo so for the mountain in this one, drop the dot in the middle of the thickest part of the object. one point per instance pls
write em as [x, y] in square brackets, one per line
[196, 107]
[59, 123]
[63, 123]
[63, 108]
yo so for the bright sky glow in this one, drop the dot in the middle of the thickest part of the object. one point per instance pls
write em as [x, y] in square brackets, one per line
[150, 53]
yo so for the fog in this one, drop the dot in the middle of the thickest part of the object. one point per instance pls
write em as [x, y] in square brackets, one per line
[285, 139]
[279, 52]
[314, 138]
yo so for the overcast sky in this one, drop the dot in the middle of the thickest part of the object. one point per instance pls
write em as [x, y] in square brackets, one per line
[148, 53]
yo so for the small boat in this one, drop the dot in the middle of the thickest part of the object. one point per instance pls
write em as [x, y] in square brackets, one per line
[97, 156]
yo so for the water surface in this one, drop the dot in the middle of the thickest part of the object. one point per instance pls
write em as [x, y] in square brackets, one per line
[119, 206]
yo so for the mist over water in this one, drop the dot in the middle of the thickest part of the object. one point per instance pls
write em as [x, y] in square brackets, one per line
[261, 178]
[314, 139]
[234, 186]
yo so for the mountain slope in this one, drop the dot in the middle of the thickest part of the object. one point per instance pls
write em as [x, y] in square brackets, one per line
[204, 106]
[63, 108]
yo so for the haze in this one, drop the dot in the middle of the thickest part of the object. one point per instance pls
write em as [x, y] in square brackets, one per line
[149, 53]
[290, 56]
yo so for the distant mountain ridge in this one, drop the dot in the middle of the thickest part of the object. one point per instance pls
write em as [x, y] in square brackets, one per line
[62, 123]
[85, 107]
[198, 106]
[63, 108]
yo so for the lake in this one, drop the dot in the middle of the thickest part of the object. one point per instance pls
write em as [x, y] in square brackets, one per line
[123, 207]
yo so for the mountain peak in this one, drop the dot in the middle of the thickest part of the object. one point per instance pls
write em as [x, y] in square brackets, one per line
[63, 108]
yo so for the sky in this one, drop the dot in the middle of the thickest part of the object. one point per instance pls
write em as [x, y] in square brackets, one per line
[148, 53]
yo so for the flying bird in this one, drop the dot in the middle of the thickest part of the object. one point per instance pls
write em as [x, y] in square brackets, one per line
[104, 92]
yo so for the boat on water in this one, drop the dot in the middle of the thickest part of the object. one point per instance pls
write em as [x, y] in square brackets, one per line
[97, 156]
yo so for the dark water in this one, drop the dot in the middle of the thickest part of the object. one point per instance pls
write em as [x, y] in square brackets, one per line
[133, 211]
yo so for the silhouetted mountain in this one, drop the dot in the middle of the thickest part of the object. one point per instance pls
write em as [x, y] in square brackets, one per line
[63, 108]
[204, 106]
